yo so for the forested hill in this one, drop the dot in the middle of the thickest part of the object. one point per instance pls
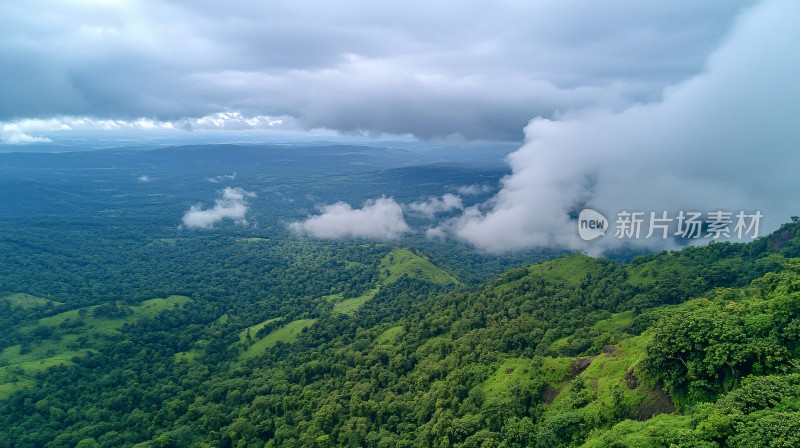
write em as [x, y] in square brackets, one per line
[698, 347]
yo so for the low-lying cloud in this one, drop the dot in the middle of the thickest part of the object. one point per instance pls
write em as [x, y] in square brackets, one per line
[14, 134]
[232, 205]
[726, 139]
[377, 219]
[222, 178]
[434, 205]
[39, 130]
[474, 189]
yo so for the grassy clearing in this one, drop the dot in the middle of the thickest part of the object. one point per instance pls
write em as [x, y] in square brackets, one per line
[607, 372]
[641, 433]
[89, 324]
[555, 370]
[189, 356]
[252, 240]
[558, 344]
[390, 336]
[570, 269]
[56, 340]
[617, 322]
[350, 306]
[511, 372]
[48, 348]
[150, 308]
[333, 297]
[27, 301]
[28, 368]
[18, 370]
[287, 333]
[514, 373]
[256, 328]
[394, 266]
[567, 270]
[33, 367]
[12, 384]
[610, 382]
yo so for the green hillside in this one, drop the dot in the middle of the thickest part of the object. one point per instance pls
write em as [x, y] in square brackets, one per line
[26, 301]
[402, 262]
[256, 340]
[351, 305]
[62, 338]
[693, 348]
[489, 370]
[396, 265]
[287, 334]
[253, 330]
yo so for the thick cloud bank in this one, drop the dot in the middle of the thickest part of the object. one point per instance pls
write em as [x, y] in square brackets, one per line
[379, 219]
[425, 68]
[232, 205]
[725, 139]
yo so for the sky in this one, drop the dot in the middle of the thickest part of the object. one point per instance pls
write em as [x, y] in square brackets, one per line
[617, 106]
[431, 70]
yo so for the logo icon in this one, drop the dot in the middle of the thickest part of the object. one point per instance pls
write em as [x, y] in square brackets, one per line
[591, 224]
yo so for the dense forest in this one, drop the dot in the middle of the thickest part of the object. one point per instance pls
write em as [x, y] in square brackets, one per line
[122, 329]
[690, 348]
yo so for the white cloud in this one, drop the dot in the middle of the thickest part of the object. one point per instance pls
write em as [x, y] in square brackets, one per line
[725, 139]
[379, 219]
[14, 134]
[144, 179]
[21, 138]
[19, 131]
[234, 121]
[232, 204]
[222, 178]
[436, 233]
[434, 205]
[474, 189]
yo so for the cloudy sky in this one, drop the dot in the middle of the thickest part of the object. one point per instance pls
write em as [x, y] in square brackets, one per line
[621, 105]
[443, 69]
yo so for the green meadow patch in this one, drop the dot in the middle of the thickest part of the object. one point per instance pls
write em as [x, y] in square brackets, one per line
[390, 336]
[253, 240]
[617, 322]
[514, 373]
[27, 301]
[287, 334]
[58, 339]
[93, 320]
[350, 306]
[255, 329]
[397, 264]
